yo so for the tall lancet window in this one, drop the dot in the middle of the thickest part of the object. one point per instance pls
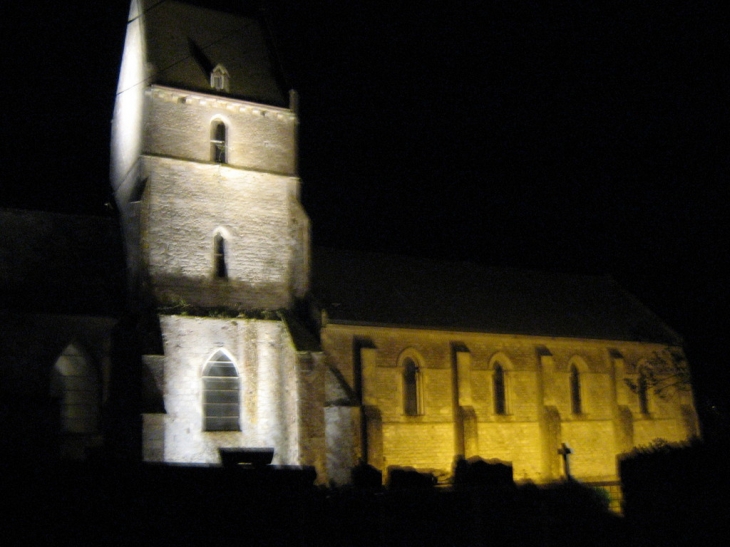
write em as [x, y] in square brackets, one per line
[500, 394]
[412, 400]
[219, 78]
[218, 142]
[576, 404]
[221, 402]
[219, 257]
[642, 389]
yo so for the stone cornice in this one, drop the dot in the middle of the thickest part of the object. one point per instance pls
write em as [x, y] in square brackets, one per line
[172, 94]
[221, 166]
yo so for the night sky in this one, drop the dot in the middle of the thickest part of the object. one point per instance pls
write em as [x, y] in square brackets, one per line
[575, 136]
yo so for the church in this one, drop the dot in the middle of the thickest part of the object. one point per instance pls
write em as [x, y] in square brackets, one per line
[234, 333]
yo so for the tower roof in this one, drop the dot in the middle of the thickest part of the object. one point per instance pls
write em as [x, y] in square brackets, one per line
[185, 43]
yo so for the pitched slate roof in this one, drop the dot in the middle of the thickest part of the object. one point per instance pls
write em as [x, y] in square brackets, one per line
[376, 289]
[58, 263]
[185, 42]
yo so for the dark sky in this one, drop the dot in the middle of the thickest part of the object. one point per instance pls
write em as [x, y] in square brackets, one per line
[565, 135]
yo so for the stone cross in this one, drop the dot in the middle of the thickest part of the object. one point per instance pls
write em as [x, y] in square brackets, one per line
[565, 451]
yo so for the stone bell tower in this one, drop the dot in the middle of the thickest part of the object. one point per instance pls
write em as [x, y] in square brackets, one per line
[204, 170]
[204, 162]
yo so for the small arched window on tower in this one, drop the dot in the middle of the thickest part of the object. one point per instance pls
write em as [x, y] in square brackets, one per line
[642, 389]
[220, 394]
[218, 142]
[500, 392]
[412, 400]
[219, 78]
[220, 268]
[576, 404]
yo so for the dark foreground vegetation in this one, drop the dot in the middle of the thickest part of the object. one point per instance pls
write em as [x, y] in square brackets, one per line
[110, 503]
[678, 495]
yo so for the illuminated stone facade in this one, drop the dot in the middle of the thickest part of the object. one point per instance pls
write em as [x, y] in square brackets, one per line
[176, 196]
[205, 178]
[205, 175]
[459, 414]
[277, 387]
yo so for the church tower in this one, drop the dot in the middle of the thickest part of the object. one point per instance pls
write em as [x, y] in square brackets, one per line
[204, 171]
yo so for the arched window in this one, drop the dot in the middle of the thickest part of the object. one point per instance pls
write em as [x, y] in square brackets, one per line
[576, 404]
[75, 383]
[218, 142]
[500, 392]
[220, 394]
[219, 257]
[642, 390]
[412, 400]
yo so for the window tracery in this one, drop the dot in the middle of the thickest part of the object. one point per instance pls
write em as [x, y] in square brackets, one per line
[221, 404]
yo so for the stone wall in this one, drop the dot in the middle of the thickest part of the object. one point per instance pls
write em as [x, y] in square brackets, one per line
[251, 201]
[457, 371]
[204, 232]
[277, 385]
[257, 214]
[260, 137]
